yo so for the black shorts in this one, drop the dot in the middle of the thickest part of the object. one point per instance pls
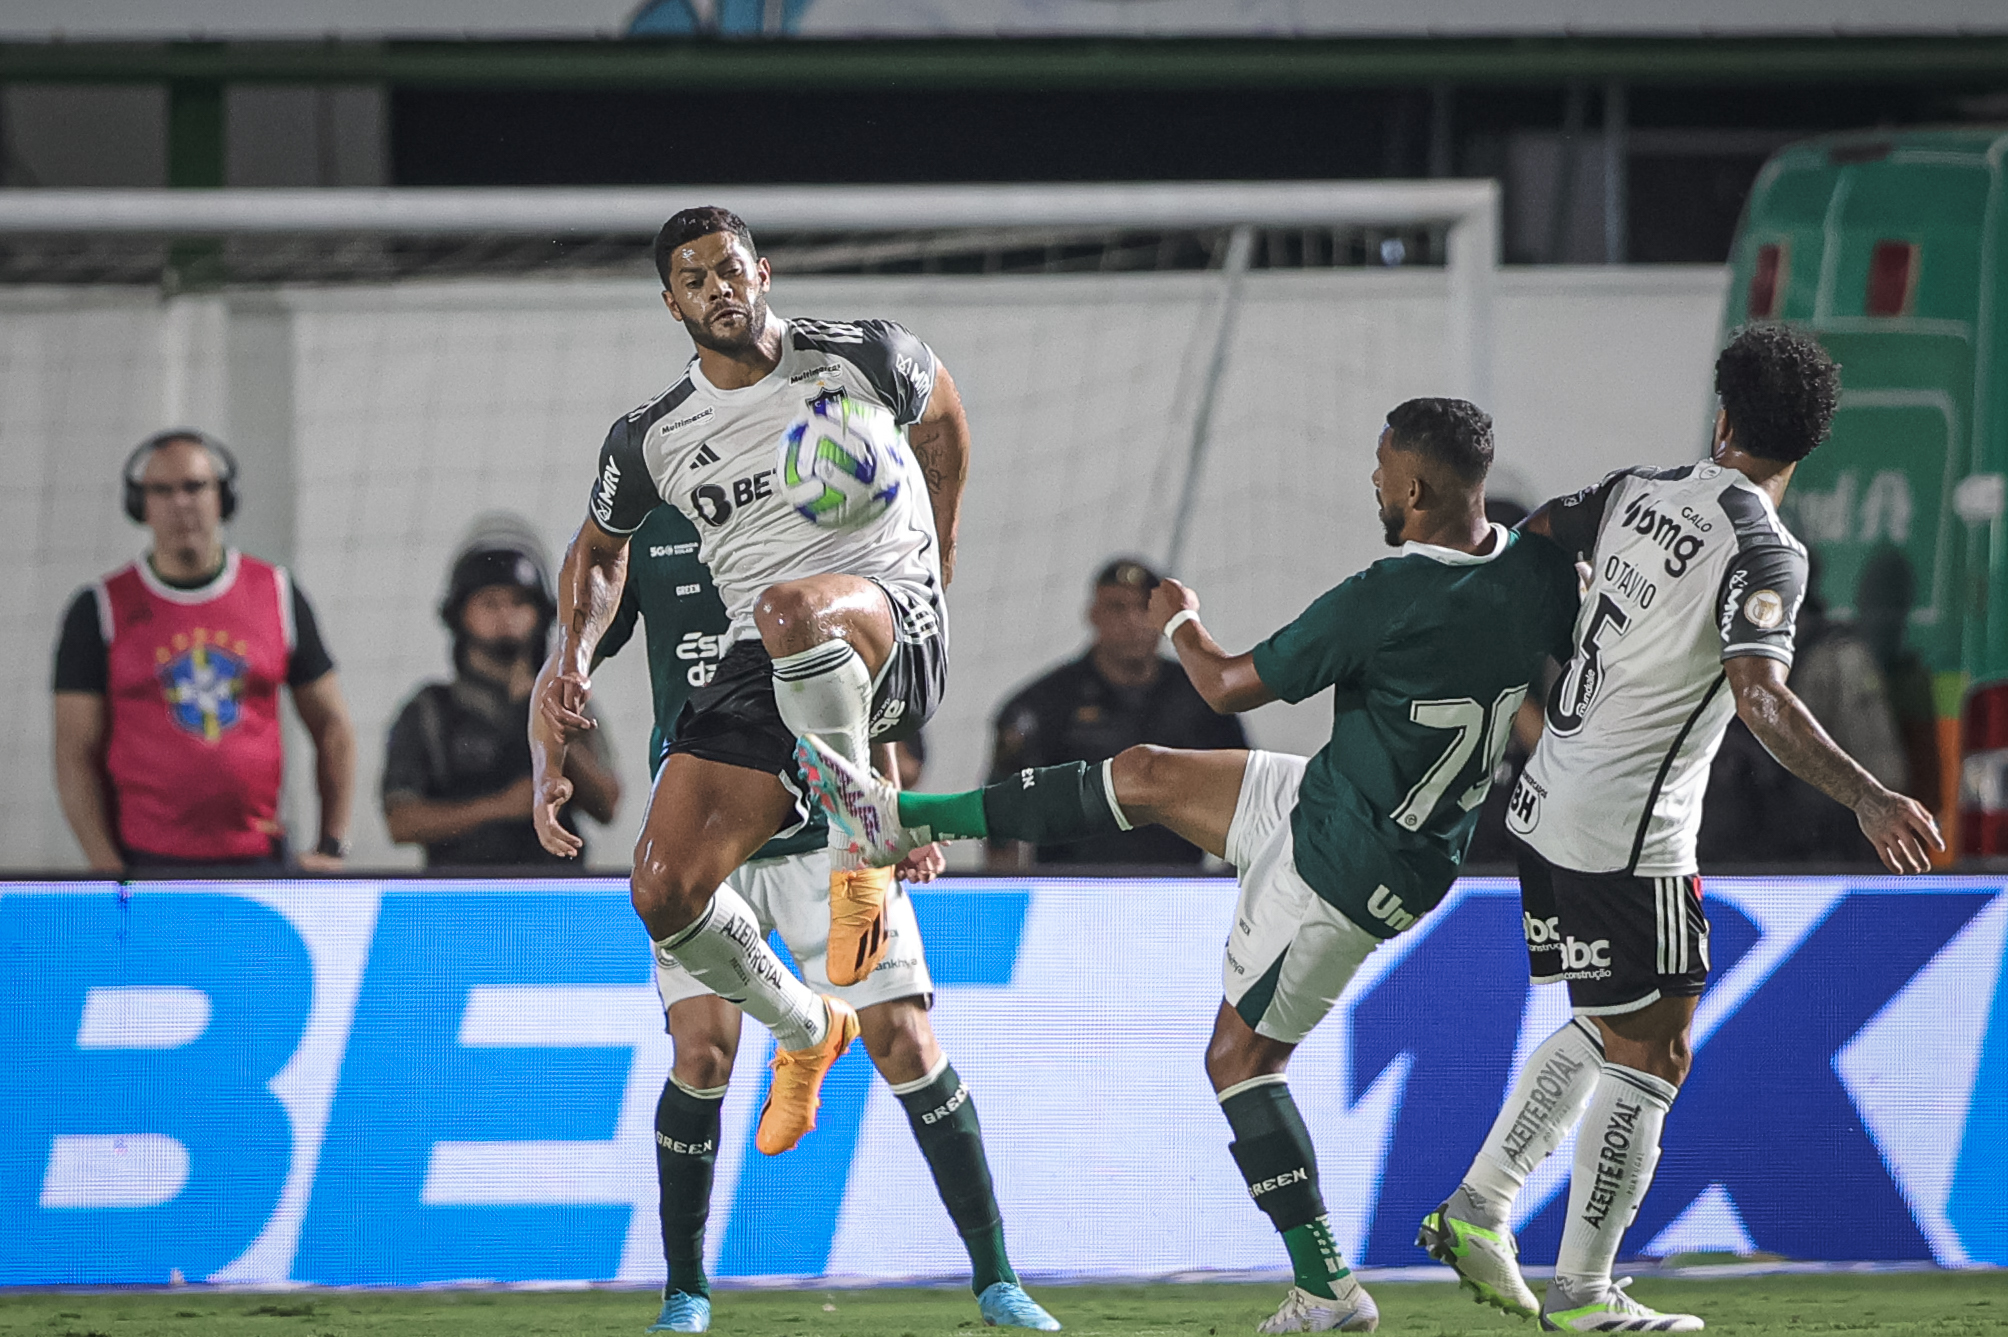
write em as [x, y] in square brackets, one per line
[734, 719]
[1621, 941]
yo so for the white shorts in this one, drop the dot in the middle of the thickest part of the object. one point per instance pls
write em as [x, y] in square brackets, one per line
[791, 897]
[1291, 952]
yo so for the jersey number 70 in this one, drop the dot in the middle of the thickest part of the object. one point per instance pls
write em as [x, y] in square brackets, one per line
[1470, 722]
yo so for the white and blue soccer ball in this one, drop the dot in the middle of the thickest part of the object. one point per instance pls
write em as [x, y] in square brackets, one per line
[841, 463]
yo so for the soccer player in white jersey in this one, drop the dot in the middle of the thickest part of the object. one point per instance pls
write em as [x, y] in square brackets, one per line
[1687, 620]
[837, 633]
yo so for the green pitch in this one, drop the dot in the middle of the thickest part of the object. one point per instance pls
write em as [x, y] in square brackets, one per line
[1934, 1303]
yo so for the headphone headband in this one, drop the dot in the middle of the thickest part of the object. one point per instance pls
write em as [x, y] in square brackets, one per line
[226, 482]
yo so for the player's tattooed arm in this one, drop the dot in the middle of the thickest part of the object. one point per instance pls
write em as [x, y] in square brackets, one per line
[589, 594]
[940, 441]
[1902, 832]
[1228, 683]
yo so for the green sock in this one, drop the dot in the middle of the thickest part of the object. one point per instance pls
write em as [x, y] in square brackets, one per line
[1314, 1256]
[1274, 1151]
[1045, 805]
[945, 1125]
[950, 816]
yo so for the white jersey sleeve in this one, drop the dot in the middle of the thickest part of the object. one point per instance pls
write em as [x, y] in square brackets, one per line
[1689, 567]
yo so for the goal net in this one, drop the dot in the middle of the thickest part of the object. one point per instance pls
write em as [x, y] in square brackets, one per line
[1195, 373]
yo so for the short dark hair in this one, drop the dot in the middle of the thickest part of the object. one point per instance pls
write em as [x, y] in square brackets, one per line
[1779, 388]
[689, 225]
[1453, 434]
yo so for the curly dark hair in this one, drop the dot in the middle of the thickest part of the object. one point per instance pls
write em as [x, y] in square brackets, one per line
[689, 225]
[1779, 388]
[1453, 434]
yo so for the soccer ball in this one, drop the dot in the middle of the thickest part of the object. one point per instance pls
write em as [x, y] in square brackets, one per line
[841, 463]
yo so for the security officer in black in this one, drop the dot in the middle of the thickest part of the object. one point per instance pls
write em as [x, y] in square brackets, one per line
[1120, 693]
[456, 776]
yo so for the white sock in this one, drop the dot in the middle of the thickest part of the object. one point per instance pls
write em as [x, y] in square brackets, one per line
[728, 954]
[1615, 1156]
[827, 691]
[1543, 1106]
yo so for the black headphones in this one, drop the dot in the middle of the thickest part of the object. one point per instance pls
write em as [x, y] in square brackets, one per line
[226, 483]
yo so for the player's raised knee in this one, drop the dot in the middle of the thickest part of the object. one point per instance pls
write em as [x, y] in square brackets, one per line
[1145, 776]
[666, 901]
[788, 616]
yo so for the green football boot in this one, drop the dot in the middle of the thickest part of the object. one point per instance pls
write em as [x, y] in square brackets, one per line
[1486, 1258]
[1609, 1311]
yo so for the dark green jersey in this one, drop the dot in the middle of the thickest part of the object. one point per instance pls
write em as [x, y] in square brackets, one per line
[670, 590]
[1431, 652]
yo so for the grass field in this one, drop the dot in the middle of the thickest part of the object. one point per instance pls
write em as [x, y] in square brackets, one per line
[1935, 1303]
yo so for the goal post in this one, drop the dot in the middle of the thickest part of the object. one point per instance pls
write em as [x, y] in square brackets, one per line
[377, 412]
[1467, 209]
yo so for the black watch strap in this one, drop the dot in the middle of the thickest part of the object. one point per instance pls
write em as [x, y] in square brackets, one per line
[332, 847]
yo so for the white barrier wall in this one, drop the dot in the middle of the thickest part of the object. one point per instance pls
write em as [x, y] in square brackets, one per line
[375, 423]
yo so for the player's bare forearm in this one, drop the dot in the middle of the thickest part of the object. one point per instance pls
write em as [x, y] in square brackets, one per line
[80, 778]
[595, 787]
[1227, 683]
[549, 783]
[589, 595]
[1901, 830]
[940, 441]
[325, 712]
[1781, 722]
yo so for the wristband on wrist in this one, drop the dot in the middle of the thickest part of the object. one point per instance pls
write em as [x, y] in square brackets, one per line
[333, 847]
[1179, 619]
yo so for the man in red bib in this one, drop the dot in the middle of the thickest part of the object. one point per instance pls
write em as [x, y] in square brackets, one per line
[168, 746]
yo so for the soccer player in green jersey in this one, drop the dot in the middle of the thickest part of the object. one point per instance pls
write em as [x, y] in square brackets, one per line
[1431, 652]
[786, 885]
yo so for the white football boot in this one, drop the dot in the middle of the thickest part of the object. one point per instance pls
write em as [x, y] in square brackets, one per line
[863, 808]
[1353, 1310]
[1610, 1311]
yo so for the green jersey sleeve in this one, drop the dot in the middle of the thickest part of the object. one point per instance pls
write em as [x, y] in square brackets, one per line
[1329, 642]
[621, 630]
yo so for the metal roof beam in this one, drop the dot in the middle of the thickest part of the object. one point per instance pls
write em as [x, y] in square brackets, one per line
[1100, 64]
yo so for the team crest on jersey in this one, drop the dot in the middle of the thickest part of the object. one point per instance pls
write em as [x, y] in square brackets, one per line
[202, 676]
[1764, 609]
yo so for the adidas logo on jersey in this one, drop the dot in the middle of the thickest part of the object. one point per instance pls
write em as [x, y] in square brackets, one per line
[705, 454]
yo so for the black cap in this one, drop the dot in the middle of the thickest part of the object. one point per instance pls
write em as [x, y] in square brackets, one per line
[1129, 573]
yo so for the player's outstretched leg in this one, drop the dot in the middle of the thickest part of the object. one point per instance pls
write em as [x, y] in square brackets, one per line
[1274, 1152]
[705, 1030]
[942, 1113]
[828, 636]
[1473, 1230]
[1193, 793]
[1616, 1154]
[705, 926]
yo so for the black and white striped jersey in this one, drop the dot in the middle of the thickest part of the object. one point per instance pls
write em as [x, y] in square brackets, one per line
[1690, 567]
[712, 454]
